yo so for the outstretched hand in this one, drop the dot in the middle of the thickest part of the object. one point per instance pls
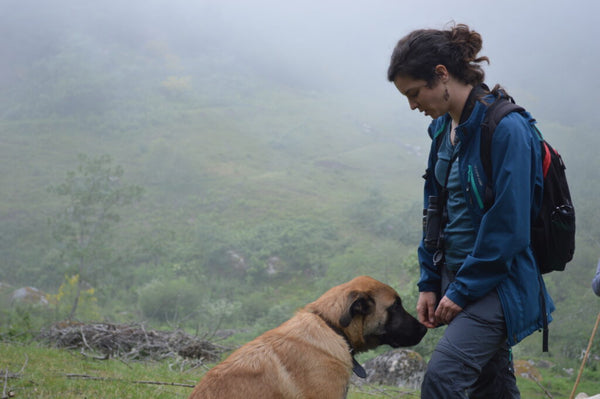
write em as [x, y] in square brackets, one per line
[446, 311]
[426, 309]
[431, 317]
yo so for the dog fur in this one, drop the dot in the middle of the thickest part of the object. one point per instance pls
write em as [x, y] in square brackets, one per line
[310, 356]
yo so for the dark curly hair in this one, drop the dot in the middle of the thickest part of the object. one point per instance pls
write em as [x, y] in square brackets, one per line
[417, 54]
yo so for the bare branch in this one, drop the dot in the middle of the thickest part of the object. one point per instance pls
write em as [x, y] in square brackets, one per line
[4, 395]
[129, 342]
[91, 377]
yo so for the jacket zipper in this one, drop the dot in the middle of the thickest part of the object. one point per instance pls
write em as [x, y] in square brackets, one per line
[471, 182]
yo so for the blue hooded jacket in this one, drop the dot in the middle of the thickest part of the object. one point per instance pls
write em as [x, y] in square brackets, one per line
[502, 258]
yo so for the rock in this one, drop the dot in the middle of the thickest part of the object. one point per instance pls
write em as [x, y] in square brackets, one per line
[527, 369]
[569, 371]
[399, 368]
[238, 262]
[544, 364]
[583, 395]
[273, 265]
[29, 295]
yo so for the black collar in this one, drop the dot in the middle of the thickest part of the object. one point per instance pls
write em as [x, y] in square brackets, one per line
[356, 367]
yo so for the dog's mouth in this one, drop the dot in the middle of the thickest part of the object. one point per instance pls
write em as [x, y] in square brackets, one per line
[411, 338]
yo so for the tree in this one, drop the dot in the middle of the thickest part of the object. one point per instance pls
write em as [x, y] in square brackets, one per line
[93, 194]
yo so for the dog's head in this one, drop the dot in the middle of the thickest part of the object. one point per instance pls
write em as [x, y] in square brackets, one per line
[369, 313]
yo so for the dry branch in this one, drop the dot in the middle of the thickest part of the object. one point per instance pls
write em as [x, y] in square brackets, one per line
[91, 377]
[129, 342]
[4, 394]
[7, 374]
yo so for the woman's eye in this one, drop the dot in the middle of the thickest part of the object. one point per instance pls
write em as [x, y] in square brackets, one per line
[413, 94]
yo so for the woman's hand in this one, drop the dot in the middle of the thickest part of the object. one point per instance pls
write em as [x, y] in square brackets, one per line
[446, 311]
[426, 309]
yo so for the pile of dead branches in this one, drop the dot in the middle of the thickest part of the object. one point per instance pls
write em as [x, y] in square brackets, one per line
[129, 342]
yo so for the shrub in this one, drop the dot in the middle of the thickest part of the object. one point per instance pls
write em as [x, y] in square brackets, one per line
[169, 301]
[62, 301]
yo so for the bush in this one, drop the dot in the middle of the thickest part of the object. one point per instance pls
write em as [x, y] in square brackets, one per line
[254, 306]
[170, 301]
[22, 322]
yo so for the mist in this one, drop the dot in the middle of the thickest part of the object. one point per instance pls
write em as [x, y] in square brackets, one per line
[543, 52]
[272, 149]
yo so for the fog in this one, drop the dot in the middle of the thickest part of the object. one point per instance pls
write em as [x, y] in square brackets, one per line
[270, 144]
[543, 52]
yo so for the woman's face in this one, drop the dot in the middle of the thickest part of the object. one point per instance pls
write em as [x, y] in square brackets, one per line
[432, 101]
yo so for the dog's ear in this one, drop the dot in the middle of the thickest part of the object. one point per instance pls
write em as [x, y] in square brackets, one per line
[359, 304]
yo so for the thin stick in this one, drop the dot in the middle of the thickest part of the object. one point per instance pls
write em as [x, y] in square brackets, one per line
[83, 338]
[5, 384]
[6, 395]
[587, 353]
[532, 377]
[24, 364]
[91, 377]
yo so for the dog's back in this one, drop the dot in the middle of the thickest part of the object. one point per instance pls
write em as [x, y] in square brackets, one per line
[299, 359]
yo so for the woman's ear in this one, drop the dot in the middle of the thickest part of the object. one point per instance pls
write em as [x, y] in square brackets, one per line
[442, 73]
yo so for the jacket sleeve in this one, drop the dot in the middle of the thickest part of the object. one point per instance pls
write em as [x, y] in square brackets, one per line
[504, 230]
[430, 280]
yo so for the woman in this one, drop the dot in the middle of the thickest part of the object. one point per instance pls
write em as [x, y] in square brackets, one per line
[484, 285]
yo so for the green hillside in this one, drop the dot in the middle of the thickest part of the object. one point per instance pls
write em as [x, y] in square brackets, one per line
[260, 191]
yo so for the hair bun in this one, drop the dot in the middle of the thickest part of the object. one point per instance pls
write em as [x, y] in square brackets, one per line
[466, 41]
[418, 53]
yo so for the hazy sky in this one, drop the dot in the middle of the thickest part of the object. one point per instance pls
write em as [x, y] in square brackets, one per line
[544, 52]
[537, 48]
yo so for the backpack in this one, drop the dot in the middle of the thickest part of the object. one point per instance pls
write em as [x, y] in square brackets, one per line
[553, 230]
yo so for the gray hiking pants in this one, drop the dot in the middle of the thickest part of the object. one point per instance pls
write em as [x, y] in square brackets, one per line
[473, 360]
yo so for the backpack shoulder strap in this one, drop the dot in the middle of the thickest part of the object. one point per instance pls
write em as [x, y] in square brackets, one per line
[494, 114]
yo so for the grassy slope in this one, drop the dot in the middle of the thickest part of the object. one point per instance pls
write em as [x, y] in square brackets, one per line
[300, 152]
[273, 154]
[53, 373]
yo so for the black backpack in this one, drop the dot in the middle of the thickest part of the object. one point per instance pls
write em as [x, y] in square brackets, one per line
[553, 231]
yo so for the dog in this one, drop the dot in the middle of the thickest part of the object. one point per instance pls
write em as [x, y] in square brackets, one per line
[311, 355]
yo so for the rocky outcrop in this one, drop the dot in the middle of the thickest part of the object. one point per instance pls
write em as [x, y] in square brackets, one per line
[30, 295]
[399, 368]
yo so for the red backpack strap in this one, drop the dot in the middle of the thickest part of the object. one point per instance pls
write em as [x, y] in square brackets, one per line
[546, 157]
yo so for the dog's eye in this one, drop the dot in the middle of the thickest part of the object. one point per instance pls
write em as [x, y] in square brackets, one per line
[397, 305]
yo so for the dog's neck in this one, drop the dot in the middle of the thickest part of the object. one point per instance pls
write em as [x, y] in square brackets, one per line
[356, 367]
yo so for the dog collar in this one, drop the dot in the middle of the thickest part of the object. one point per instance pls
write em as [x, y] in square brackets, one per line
[356, 367]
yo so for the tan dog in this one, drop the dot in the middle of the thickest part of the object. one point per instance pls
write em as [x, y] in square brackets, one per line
[311, 355]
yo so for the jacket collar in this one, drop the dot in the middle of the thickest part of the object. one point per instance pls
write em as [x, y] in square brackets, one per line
[476, 93]
[471, 117]
[468, 129]
[473, 113]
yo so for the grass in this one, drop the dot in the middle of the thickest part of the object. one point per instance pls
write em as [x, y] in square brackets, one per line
[53, 373]
[40, 372]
